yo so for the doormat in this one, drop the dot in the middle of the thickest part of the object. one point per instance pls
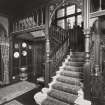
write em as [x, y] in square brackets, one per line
[14, 102]
[10, 92]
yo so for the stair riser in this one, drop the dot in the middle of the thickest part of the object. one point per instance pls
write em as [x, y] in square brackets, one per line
[71, 82]
[77, 56]
[78, 75]
[76, 64]
[68, 89]
[77, 59]
[76, 69]
[80, 54]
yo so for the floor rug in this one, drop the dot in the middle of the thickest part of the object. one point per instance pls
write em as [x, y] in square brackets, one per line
[14, 102]
[10, 92]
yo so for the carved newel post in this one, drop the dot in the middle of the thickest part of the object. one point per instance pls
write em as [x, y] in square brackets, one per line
[47, 46]
[87, 73]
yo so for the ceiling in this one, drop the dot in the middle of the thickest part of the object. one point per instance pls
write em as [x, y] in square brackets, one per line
[16, 7]
[20, 7]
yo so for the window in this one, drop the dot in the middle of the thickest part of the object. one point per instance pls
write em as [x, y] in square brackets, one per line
[70, 10]
[61, 23]
[79, 20]
[68, 16]
[60, 13]
[78, 10]
[71, 21]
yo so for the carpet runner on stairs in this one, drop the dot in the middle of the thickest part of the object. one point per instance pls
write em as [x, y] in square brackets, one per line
[66, 87]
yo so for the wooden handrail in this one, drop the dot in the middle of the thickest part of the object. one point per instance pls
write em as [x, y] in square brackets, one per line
[58, 36]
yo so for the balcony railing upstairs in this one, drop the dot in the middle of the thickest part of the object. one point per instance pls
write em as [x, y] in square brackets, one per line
[31, 22]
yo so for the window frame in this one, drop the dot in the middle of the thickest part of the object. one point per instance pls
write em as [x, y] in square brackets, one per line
[68, 16]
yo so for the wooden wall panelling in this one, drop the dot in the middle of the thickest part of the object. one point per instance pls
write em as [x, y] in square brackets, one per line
[38, 58]
[16, 61]
[30, 60]
[11, 58]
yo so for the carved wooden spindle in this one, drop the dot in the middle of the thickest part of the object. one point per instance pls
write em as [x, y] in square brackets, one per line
[37, 15]
[42, 13]
[100, 5]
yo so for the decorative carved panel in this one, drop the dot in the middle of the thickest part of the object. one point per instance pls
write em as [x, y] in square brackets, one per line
[4, 50]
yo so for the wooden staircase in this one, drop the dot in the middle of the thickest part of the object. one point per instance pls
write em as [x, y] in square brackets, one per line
[66, 87]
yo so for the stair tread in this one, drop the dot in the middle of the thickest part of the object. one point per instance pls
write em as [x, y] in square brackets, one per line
[52, 101]
[71, 73]
[69, 80]
[73, 68]
[76, 59]
[66, 87]
[69, 66]
[78, 53]
[63, 96]
[70, 60]
[76, 64]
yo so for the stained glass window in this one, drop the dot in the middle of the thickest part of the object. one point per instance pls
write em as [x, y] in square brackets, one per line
[60, 13]
[70, 18]
[61, 23]
[78, 10]
[71, 21]
[70, 10]
[79, 20]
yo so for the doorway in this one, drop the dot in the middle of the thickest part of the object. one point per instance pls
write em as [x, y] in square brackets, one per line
[39, 59]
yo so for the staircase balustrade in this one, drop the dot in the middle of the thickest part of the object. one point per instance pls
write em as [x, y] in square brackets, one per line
[59, 42]
[35, 20]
